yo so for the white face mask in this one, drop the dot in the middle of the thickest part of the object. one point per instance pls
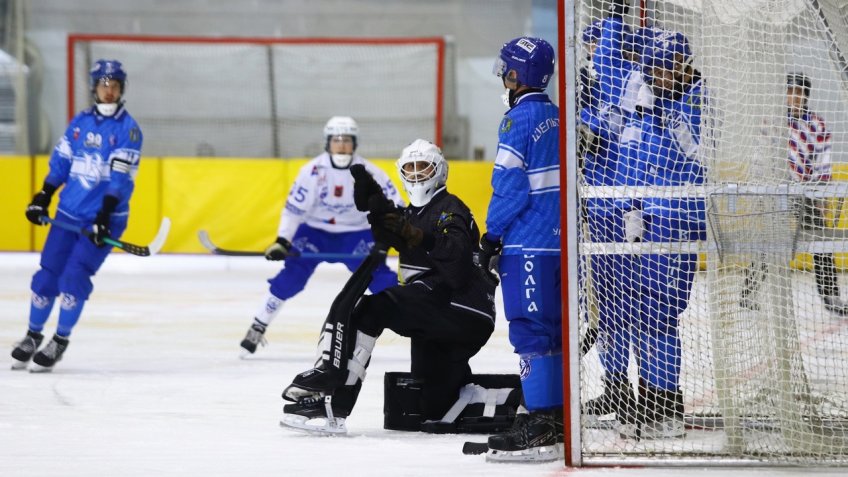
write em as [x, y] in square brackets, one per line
[107, 109]
[341, 161]
[505, 98]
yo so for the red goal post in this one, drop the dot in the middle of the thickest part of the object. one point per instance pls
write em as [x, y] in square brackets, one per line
[269, 97]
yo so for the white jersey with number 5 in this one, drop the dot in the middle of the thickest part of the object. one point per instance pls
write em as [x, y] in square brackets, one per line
[322, 196]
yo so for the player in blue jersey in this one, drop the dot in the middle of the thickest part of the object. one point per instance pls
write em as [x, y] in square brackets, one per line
[523, 229]
[615, 276]
[320, 217]
[670, 137]
[96, 160]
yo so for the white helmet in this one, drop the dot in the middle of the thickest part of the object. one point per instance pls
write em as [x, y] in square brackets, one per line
[341, 126]
[427, 174]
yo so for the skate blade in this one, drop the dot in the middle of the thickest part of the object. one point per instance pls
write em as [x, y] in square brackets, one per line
[37, 368]
[531, 456]
[594, 421]
[244, 354]
[315, 425]
[19, 365]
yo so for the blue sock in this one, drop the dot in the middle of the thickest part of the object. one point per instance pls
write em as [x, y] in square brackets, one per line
[541, 381]
[39, 311]
[661, 358]
[69, 314]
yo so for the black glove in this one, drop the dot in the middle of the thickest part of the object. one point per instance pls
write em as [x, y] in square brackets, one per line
[490, 253]
[100, 227]
[399, 227]
[40, 202]
[280, 250]
[364, 187]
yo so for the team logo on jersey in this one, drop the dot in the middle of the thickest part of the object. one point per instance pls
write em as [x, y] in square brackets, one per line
[135, 135]
[88, 172]
[314, 171]
[506, 125]
[76, 133]
[112, 140]
[93, 140]
[524, 368]
[338, 191]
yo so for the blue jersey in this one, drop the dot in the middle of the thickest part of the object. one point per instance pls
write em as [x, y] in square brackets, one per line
[524, 210]
[97, 155]
[617, 125]
[670, 152]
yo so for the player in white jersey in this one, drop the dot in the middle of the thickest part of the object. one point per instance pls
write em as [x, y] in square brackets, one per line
[320, 218]
[809, 161]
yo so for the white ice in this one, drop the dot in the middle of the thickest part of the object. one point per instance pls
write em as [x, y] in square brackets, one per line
[152, 384]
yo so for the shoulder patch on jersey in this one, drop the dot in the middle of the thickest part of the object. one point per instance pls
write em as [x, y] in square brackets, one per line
[506, 124]
[135, 135]
[445, 218]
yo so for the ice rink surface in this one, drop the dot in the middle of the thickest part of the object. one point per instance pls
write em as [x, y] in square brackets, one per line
[152, 385]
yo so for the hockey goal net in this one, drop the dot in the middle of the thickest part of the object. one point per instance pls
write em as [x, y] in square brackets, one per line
[269, 97]
[710, 235]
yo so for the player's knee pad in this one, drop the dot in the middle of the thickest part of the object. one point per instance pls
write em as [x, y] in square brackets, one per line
[541, 380]
[486, 405]
[45, 283]
[76, 281]
[531, 337]
[292, 279]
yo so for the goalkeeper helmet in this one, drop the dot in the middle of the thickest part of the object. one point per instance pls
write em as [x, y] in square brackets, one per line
[801, 80]
[106, 71]
[531, 58]
[423, 171]
[345, 127]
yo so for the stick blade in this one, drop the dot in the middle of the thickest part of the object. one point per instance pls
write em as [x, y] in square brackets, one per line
[162, 235]
[203, 237]
[475, 448]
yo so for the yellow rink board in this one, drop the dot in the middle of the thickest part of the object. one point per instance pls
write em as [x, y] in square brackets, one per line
[238, 201]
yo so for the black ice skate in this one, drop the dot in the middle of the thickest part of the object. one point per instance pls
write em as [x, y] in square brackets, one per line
[534, 437]
[255, 336]
[611, 408]
[319, 380]
[835, 305]
[315, 415]
[25, 348]
[660, 416]
[44, 360]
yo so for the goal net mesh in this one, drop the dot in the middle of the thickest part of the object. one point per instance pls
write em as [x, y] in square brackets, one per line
[269, 97]
[711, 233]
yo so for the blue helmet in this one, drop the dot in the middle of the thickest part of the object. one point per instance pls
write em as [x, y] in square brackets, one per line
[592, 33]
[112, 70]
[663, 50]
[531, 58]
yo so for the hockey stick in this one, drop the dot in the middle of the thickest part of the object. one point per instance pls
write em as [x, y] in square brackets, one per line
[139, 250]
[203, 236]
[475, 448]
